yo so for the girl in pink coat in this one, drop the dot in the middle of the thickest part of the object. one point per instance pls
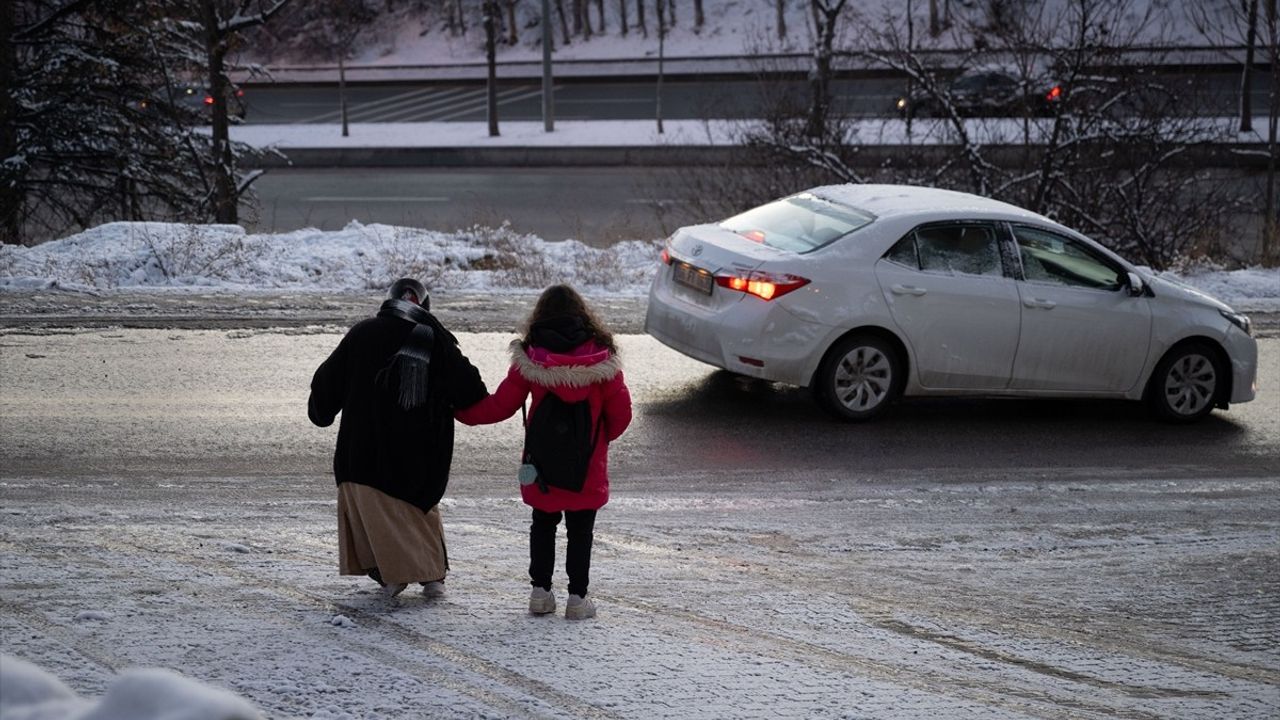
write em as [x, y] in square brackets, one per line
[568, 353]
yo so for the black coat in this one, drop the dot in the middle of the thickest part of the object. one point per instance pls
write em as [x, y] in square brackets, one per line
[404, 453]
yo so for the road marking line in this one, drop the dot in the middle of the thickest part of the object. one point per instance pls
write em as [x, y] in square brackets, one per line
[501, 101]
[468, 104]
[386, 112]
[376, 104]
[435, 106]
[562, 101]
[384, 198]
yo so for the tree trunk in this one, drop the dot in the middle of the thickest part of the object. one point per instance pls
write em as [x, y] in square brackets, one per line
[825, 17]
[644, 30]
[671, 11]
[512, 37]
[225, 202]
[662, 38]
[698, 17]
[577, 16]
[1246, 73]
[11, 200]
[600, 13]
[564, 23]
[781, 7]
[491, 56]
[935, 28]
[342, 91]
[622, 16]
[462, 18]
[1271, 226]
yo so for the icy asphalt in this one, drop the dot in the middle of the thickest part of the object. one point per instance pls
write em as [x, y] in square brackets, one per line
[163, 501]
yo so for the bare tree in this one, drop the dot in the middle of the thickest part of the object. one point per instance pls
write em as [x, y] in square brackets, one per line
[564, 24]
[826, 19]
[490, 9]
[600, 15]
[1229, 24]
[512, 37]
[1271, 226]
[644, 30]
[622, 16]
[698, 17]
[220, 25]
[780, 11]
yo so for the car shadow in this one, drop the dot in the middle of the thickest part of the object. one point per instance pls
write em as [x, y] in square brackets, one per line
[739, 419]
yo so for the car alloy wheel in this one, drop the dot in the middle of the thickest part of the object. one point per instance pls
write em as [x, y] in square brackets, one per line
[860, 377]
[1186, 383]
[1190, 384]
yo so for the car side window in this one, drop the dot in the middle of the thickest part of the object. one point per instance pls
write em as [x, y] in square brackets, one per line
[1059, 260]
[959, 249]
[904, 252]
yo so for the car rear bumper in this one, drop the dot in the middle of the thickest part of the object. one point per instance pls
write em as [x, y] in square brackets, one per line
[744, 335]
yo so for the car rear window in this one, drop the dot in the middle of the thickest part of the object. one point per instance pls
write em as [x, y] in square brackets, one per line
[801, 223]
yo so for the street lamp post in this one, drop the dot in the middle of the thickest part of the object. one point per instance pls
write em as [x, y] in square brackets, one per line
[548, 101]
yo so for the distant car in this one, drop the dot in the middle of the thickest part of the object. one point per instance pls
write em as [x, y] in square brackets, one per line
[198, 98]
[985, 93]
[865, 293]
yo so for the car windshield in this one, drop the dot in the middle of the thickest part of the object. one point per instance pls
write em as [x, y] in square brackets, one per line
[801, 223]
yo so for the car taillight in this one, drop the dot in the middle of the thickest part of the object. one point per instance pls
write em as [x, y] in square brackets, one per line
[665, 256]
[239, 93]
[1054, 94]
[208, 99]
[753, 235]
[763, 285]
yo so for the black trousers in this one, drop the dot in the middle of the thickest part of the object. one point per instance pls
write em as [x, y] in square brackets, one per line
[579, 524]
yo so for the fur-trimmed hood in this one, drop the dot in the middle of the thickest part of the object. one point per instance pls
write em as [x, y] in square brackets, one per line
[580, 368]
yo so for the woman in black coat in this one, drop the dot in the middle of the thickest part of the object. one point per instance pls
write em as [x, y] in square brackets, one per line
[397, 379]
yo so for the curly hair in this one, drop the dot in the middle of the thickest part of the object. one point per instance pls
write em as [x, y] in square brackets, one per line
[562, 300]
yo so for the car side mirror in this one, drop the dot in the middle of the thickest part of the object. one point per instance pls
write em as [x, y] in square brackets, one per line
[1137, 287]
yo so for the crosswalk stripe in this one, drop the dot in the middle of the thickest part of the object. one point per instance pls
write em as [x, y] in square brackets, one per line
[501, 101]
[387, 112]
[336, 114]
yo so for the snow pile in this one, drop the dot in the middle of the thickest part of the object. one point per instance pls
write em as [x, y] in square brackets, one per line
[357, 258]
[29, 693]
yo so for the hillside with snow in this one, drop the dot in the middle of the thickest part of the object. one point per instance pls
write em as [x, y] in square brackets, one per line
[416, 33]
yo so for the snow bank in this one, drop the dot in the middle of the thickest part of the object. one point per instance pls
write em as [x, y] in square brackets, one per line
[143, 256]
[29, 693]
[357, 258]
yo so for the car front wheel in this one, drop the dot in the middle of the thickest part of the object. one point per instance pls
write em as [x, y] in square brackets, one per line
[1186, 383]
[860, 377]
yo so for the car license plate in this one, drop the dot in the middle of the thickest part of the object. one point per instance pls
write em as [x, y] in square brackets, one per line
[693, 277]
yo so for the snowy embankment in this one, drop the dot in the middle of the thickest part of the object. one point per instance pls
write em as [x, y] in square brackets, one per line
[29, 693]
[134, 256]
[644, 133]
[163, 256]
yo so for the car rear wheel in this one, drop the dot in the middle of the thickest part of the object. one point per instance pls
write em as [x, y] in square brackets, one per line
[860, 377]
[1186, 384]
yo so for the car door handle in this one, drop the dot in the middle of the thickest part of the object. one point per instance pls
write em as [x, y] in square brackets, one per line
[1038, 303]
[908, 290]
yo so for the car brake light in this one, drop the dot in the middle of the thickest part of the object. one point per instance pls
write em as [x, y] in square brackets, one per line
[1054, 94]
[665, 256]
[239, 93]
[208, 99]
[763, 285]
[753, 235]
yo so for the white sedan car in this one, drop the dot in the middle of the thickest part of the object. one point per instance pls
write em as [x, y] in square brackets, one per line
[864, 293]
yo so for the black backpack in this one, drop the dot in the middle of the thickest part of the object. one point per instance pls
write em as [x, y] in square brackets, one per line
[559, 441]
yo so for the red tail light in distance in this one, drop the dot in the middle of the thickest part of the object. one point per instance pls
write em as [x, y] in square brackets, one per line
[763, 285]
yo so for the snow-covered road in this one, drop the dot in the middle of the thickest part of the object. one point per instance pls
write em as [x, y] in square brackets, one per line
[972, 559]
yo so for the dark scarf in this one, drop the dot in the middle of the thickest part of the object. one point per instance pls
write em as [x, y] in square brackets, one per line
[405, 377]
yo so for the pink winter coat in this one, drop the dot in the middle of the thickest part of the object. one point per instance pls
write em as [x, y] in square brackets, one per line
[587, 372]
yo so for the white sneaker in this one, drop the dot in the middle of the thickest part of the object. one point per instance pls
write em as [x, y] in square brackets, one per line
[433, 589]
[579, 608]
[542, 602]
[394, 589]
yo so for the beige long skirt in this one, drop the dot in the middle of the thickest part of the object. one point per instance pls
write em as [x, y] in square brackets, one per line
[375, 530]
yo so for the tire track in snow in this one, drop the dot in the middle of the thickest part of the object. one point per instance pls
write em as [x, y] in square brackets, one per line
[463, 659]
[1036, 702]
